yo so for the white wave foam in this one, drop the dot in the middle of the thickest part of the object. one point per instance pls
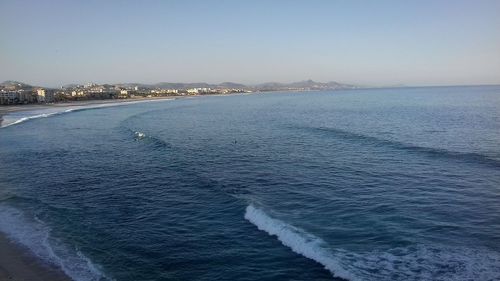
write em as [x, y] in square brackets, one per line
[298, 240]
[23, 116]
[24, 119]
[430, 262]
[34, 235]
[420, 262]
[139, 135]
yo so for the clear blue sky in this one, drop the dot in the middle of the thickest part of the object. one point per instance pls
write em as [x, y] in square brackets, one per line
[51, 43]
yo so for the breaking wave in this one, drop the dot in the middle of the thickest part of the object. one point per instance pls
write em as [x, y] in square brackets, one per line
[12, 119]
[24, 119]
[429, 262]
[35, 236]
[298, 240]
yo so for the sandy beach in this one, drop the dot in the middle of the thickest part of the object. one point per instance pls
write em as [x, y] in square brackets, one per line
[6, 109]
[17, 264]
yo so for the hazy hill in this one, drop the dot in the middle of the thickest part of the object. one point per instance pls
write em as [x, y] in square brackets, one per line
[304, 85]
[269, 86]
[14, 85]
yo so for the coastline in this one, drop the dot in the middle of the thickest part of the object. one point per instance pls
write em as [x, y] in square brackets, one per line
[7, 109]
[18, 264]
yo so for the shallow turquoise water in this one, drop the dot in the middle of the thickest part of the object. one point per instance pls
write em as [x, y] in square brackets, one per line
[380, 184]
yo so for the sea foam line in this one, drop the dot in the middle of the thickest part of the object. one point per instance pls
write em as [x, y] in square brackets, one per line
[418, 262]
[35, 236]
[296, 239]
[73, 108]
[24, 119]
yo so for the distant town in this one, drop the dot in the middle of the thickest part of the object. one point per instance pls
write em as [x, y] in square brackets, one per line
[16, 93]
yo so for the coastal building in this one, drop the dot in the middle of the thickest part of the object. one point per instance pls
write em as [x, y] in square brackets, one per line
[89, 85]
[43, 95]
[198, 90]
[123, 94]
[7, 97]
[164, 92]
[18, 93]
[16, 97]
[77, 93]
[97, 89]
[26, 96]
[40, 95]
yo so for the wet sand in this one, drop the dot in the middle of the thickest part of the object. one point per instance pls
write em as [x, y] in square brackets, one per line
[17, 264]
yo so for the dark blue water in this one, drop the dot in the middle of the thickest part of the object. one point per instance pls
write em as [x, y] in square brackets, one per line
[385, 184]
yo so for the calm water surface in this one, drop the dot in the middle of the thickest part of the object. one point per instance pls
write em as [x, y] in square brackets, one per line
[385, 184]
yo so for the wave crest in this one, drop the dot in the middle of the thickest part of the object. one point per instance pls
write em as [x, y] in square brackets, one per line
[27, 118]
[428, 151]
[298, 240]
[63, 109]
[35, 235]
[419, 262]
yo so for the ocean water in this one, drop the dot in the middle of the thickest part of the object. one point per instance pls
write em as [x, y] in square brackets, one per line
[376, 184]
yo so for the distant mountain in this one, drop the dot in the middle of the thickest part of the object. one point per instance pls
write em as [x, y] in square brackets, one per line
[231, 85]
[166, 85]
[71, 85]
[15, 85]
[11, 83]
[225, 85]
[304, 85]
[269, 86]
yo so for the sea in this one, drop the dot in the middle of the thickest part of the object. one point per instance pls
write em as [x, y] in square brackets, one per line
[364, 184]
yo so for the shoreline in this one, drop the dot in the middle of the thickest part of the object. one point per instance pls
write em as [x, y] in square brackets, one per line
[8, 109]
[19, 264]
